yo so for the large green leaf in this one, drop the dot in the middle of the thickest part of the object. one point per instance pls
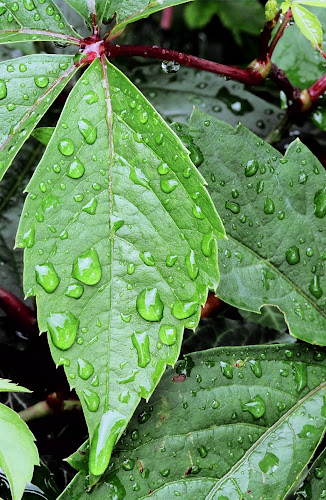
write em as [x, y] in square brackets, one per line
[18, 453]
[294, 54]
[242, 425]
[314, 485]
[274, 211]
[308, 24]
[28, 86]
[119, 264]
[24, 20]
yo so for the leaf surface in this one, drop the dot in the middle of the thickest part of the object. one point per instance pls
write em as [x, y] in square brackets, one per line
[308, 24]
[118, 264]
[18, 453]
[30, 20]
[314, 485]
[8, 386]
[274, 211]
[236, 427]
[28, 86]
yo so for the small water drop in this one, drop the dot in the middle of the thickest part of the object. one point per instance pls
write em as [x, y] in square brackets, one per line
[191, 264]
[197, 212]
[315, 288]
[41, 81]
[90, 97]
[251, 168]
[255, 406]
[168, 185]
[147, 258]
[91, 399]
[320, 203]
[74, 290]
[149, 304]
[232, 206]
[163, 168]
[90, 207]
[168, 334]
[66, 147]
[3, 89]
[269, 207]
[183, 309]
[63, 329]
[256, 367]
[87, 130]
[47, 277]
[29, 237]
[292, 255]
[87, 267]
[226, 369]
[171, 260]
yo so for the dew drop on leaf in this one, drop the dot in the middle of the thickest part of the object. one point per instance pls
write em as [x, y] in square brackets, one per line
[292, 255]
[256, 367]
[232, 206]
[41, 81]
[269, 207]
[88, 131]
[255, 406]
[168, 334]
[75, 290]
[47, 277]
[269, 463]
[183, 309]
[251, 168]
[149, 304]
[171, 260]
[315, 288]
[90, 207]
[76, 169]
[29, 4]
[207, 244]
[29, 237]
[191, 264]
[226, 369]
[163, 168]
[85, 369]
[90, 97]
[66, 147]
[320, 203]
[147, 258]
[87, 267]
[168, 185]
[63, 329]
[91, 399]
[197, 212]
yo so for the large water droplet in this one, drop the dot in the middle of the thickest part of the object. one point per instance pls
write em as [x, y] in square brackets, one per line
[47, 277]
[63, 329]
[168, 334]
[149, 304]
[88, 131]
[87, 267]
[141, 342]
[299, 371]
[256, 407]
[251, 168]
[256, 367]
[269, 464]
[191, 264]
[320, 203]
[147, 258]
[76, 169]
[3, 89]
[197, 212]
[168, 185]
[41, 81]
[91, 399]
[50, 202]
[232, 206]
[226, 369]
[29, 4]
[75, 290]
[138, 177]
[315, 288]
[66, 147]
[104, 438]
[292, 255]
[207, 244]
[171, 260]
[90, 97]
[85, 368]
[90, 207]
[269, 207]
[29, 237]
[183, 309]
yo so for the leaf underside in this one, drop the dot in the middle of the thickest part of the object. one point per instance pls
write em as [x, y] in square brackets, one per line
[273, 208]
[263, 410]
[116, 203]
[30, 20]
[18, 453]
[28, 86]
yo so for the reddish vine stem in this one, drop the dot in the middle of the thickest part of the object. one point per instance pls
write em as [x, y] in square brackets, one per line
[166, 19]
[248, 76]
[280, 32]
[22, 317]
[317, 89]
[265, 37]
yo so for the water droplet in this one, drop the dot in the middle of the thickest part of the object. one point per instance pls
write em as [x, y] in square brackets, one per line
[251, 168]
[170, 67]
[168, 185]
[315, 288]
[76, 169]
[269, 207]
[74, 290]
[29, 237]
[292, 255]
[197, 212]
[90, 207]
[226, 369]
[215, 404]
[168, 334]
[124, 397]
[183, 309]
[131, 268]
[319, 473]
[299, 371]
[256, 367]
[171, 260]
[125, 317]
[41, 81]
[255, 406]
[85, 369]
[191, 264]
[50, 202]
[320, 203]
[63, 329]
[202, 451]
[87, 130]
[66, 147]
[47, 277]
[29, 5]
[91, 399]
[116, 223]
[269, 464]
[3, 89]
[138, 177]
[163, 168]
[232, 206]
[90, 97]
[128, 464]
[235, 193]
[149, 304]
[147, 258]
[87, 267]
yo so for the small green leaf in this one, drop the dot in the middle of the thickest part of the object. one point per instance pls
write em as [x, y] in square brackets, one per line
[86, 8]
[314, 485]
[274, 209]
[28, 86]
[117, 267]
[7, 385]
[18, 453]
[308, 24]
[31, 20]
[43, 134]
[227, 423]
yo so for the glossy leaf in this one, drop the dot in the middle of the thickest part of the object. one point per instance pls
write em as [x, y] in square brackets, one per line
[314, 485]
[118, 265]
[8, 386]
[303, 66]
[308, 24]
[315, 3]
[88, 8]
[30, 20]
[274, 212]
[270, 317]
[28, 86]
[18, 453]
[43, 134]
[229, 423]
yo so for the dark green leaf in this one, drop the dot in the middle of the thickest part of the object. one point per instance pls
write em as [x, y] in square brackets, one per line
[274, 210]
[314, 485]
[118, 265]
[30, 20]
[28, 86]
[242, 424]
[270, 317]
[43, 134]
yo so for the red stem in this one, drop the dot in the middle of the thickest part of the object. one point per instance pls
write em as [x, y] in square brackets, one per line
[280, 31]
[166, 19]
[21, 316]
[247, 76]
[265, 37]
[317, 89]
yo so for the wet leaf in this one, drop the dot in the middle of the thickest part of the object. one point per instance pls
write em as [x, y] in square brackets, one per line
[274, 209]
[28, 86]
[8, 386]
[18, 451]
[119, 266]
[237, 426]
[30, 20]
[308, 24]
[314, 485]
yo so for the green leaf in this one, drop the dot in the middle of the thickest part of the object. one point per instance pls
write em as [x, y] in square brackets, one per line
[308, 24]
[294, 55]
[316, 3]
[30, 20]
[8, 386]
[18, 453]
[134, 10]
[273, 208]
[242, 424]
[28, 86]
[314, 485]
[270, 317]
[43, 134]
[87, 8]
[119, 265]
